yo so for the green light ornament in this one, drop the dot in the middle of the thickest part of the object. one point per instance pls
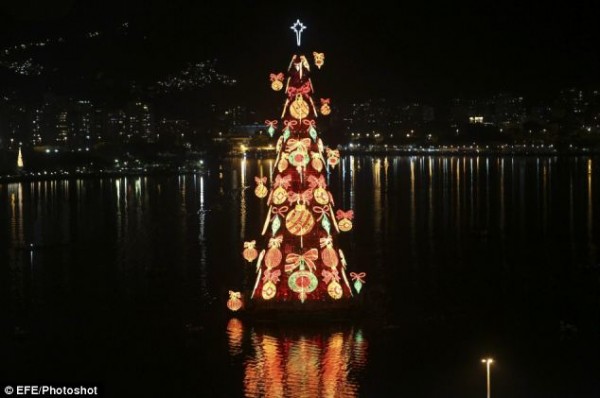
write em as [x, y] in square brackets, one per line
[326, 224]
[275, 225]
[313, 133]
[358, 279]
[286, 133]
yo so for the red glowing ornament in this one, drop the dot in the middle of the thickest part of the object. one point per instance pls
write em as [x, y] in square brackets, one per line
[274, 256]
[250, 252]
[303, 282]
[298, 158]
[235, 301]
[328, 254]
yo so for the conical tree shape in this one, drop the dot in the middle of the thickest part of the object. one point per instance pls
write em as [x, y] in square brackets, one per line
[301, 262]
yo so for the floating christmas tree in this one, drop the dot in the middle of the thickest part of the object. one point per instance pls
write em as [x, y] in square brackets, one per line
[300, 262]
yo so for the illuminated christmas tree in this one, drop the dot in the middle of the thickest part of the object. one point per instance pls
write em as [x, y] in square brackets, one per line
[300, 262]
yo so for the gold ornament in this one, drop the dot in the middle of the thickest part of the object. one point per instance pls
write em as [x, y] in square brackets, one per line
[325, 107]
[261, 191]
[276, 85]
[279, 195]
[319, 59]
[269, 290]
[321, 196]
[276, 81]
[299, 221]
[299, 108]
[335, 290]
[345, 225]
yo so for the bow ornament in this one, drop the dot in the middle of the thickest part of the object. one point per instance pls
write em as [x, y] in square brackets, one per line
[278, 76]
[293, 144]
[280, 210]
[315, 182]
[303, 197]
[276, 242]
[358, 277]
[329, 275]
[283, 182]
[294, 260]
[271, 276]
[344, 214]
[326, 241]
[321, 210]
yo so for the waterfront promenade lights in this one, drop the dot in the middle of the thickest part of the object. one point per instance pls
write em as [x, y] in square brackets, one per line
[488, 362]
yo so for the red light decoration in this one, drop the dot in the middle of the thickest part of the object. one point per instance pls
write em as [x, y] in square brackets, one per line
[235, 301]
[250, 252]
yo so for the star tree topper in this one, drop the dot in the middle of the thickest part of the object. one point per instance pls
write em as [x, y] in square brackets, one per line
[298, 27]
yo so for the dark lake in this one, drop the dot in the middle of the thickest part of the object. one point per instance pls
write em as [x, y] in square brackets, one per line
[122, 283]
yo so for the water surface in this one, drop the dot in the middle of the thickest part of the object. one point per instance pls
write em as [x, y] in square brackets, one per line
[123, 280]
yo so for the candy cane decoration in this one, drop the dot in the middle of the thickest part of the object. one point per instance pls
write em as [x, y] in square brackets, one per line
[345, 265]
[267, 220]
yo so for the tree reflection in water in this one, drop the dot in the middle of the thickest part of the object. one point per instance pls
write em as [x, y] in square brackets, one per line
[293, 361]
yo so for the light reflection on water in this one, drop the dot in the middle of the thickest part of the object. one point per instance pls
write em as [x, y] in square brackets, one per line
[442, 238]
[286, 362]
[401, 202]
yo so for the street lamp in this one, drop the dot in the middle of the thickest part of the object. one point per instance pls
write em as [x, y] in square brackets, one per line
[488, 362]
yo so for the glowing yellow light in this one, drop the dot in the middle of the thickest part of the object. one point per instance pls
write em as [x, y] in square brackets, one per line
[20, 159]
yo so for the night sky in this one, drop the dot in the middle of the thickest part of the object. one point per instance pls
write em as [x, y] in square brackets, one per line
[407, 52]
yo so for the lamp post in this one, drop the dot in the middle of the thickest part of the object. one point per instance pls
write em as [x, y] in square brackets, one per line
[488, 362]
